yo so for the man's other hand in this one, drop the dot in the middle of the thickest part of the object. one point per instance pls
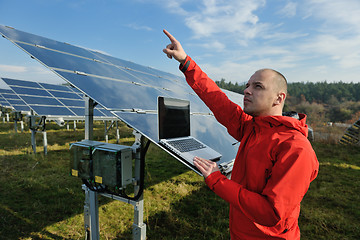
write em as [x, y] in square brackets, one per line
[206, 167]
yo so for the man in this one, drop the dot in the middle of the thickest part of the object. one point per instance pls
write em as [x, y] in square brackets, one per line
[275, 162]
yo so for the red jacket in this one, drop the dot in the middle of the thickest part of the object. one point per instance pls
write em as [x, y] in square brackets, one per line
[273, 168]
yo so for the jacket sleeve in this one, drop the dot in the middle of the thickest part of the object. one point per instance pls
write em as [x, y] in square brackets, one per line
[225, 111]
[291, 175]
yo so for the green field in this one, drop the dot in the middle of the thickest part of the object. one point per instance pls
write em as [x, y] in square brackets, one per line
[39, 200]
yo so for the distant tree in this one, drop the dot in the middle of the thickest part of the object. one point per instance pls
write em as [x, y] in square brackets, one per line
[321, 101]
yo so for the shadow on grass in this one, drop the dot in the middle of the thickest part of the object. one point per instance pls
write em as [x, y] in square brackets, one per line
[37, 191]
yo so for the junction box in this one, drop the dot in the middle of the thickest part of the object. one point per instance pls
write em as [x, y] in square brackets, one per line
[102, 163]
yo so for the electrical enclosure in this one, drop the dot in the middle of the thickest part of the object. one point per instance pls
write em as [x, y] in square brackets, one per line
[102, 163]
[81, 159]
[112, 165]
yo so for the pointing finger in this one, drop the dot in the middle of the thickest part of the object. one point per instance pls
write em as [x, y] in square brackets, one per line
[171, 37]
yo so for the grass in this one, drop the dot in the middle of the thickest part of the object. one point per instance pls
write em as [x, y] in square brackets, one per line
[39, 200]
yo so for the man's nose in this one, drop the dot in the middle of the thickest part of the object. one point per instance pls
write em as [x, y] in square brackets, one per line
[246, 91]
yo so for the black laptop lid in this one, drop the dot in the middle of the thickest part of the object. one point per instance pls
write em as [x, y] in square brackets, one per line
[174, 117]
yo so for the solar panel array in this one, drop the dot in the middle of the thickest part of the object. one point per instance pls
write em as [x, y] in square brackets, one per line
[3, 101]
[50, 99]
[126, 88]
[11, 100]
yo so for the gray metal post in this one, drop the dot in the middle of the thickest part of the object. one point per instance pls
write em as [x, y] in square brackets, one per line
[22, 125]
[45, 142]
[139, 227]
[91, 215]
[91, 207]
[15, 125]
[117, 133]
[33, 140]
[106, 132]
[89, 118]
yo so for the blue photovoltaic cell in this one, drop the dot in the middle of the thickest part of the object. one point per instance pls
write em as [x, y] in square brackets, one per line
[52, 111]
[67, 95]
[10, 96]
[54, 87]
[6, 91]
[9, 99]
[21, 108]
[121, 93]
[118, 85]
[73, 103]
[2, 100]
[30, 91]
[21, 83]
[41, 41]
[41, 101]
[16, 102]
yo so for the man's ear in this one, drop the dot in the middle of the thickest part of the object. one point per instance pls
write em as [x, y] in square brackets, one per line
[280, 98]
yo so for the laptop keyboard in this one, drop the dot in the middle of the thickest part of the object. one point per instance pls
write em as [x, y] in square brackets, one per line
[186, 145]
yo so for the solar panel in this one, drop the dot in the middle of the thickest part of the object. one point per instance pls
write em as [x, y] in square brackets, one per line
[123, 86]
[50, 99]
[13, 101]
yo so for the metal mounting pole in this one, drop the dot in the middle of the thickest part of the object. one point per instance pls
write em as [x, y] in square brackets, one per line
[15, 125]
[45, 141]
[33, 140]
[22, 125]
[139, 227]
[106, 132]
[117, 133]
[91, 207]
[89, 118]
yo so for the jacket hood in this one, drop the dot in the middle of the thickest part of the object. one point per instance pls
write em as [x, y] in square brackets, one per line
[296, 121]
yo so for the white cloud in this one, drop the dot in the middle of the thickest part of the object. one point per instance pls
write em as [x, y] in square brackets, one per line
[322, 42]
[213, 46]
[12, 69]
[336, 15]
[135, 26]
[234, 17]
[289, 10]
[212, 17]
[345, 51]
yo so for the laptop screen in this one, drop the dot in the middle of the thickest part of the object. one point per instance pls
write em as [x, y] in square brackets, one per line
[174, 118]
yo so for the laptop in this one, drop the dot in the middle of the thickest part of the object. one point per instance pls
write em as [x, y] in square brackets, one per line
[174, 131]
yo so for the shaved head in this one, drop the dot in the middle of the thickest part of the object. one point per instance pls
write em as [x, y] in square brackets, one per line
[280, 82]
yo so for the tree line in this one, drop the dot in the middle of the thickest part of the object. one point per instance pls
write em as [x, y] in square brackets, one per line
[321, 101]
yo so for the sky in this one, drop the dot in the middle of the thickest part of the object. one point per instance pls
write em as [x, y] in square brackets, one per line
[306, 40]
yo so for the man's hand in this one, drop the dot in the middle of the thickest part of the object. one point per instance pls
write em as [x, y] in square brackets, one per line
[206, 167]
[174, 49]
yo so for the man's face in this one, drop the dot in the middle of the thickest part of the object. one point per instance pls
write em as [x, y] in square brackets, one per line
[259, 94]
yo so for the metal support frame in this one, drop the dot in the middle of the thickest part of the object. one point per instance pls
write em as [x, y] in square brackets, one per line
[18, 118]
[107, 129]
[34, 128]
[91, 204]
